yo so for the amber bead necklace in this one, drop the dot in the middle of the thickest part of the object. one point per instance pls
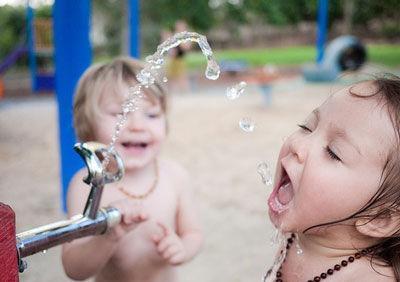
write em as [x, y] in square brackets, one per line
[323, 275]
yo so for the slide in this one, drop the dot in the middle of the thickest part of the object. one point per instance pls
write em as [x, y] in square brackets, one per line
[12, 57]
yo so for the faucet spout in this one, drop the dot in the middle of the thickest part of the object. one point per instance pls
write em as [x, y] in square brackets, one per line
[93, 154]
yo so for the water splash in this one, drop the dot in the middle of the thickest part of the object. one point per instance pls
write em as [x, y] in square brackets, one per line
[212, 70]
[235, 91]
[247, 124]
[265, 173]
[270, 275]
[299, 250]
[277, 237]
[149, 75]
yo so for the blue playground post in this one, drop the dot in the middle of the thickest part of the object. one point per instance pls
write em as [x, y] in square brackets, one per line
[134, 26]
[31, 46]
[72, 57]
[322, 28]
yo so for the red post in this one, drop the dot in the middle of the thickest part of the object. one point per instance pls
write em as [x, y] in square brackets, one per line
[8, 250]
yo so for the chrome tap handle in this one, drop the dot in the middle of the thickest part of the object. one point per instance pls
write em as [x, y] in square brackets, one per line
[93, 154]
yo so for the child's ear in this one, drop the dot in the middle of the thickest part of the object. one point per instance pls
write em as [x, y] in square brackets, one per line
[380, 227]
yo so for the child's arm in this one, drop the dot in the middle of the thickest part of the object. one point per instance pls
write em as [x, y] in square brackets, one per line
[183, 245]
[85, 257]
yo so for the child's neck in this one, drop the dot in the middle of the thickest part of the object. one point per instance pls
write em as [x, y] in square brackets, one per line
[134, 175]
[330, 245]
[320, 252]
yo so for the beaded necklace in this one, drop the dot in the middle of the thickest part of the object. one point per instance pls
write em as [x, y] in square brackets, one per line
[323, 275]
[148, 192]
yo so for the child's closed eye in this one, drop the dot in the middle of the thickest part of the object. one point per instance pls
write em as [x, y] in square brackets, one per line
[304, 127]
[116, 114]
[332, 154]
[153, 115]
[328, 150]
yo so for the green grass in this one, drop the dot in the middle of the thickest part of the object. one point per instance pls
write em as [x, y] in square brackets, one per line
[388, 55]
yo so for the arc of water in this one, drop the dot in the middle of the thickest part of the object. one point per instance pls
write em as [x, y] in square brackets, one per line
[147, 76]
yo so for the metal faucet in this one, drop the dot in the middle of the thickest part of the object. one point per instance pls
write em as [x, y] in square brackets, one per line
[93, 220]
[93, 154]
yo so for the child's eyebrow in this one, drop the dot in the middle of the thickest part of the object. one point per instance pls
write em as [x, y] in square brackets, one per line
[341, 133]
[338, 132]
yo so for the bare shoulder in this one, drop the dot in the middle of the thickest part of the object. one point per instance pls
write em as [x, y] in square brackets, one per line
[78, 192]
[173, 168]
[175, 172]
[76, 183]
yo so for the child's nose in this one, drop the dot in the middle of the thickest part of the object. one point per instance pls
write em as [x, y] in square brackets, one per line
[135, 121]
[298, 146]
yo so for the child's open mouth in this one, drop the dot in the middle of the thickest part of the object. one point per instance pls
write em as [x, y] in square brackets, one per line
[135, 147]
[282, 194]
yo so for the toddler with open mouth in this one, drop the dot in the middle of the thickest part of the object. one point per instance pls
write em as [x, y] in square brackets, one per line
[160, 228]
[337, 189]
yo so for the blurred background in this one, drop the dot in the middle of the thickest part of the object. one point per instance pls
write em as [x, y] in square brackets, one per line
[292, 54]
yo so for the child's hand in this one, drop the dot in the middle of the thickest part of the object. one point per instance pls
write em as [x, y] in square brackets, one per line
[170, 246]
[131, 216]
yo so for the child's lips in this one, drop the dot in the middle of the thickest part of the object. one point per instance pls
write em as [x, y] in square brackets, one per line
[134, 144]
[282, 194]
[138, 147]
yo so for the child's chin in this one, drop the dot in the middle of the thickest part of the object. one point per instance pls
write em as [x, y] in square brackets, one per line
[279, 221]
[274, 218]
[132, 165]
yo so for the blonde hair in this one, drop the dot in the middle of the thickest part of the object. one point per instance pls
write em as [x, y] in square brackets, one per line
[95, 80]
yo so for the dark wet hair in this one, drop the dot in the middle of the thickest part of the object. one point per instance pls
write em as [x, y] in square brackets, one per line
[386, 201]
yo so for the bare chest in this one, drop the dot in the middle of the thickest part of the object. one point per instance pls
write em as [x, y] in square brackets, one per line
[137, 250]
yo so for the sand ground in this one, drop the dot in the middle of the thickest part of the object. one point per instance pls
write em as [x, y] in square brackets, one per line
[205, 138]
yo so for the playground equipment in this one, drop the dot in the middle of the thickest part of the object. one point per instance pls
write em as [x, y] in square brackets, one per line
[342, 54]
[40, 42]
[92, 221]
[38, 46]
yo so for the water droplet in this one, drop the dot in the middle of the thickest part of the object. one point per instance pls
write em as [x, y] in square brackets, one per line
[149, 59]
[212, 71]
[158, 60]
[204, 46]
[265, 173]
[235, 91]
[247, 124]
[266, 275]
[145, 77]
[299, 250]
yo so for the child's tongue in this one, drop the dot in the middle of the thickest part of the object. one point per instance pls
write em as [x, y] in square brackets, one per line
[285, 193]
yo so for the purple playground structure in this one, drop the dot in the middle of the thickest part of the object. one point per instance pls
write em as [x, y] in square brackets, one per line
[38, 43]
[12, 57]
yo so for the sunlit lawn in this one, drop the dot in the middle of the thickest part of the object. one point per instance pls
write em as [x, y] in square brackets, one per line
[388, 55]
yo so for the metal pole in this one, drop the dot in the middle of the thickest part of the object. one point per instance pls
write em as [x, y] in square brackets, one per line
[72, 57]
[134, 28]
[31, 46]
[42, 238]
[322, 28]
